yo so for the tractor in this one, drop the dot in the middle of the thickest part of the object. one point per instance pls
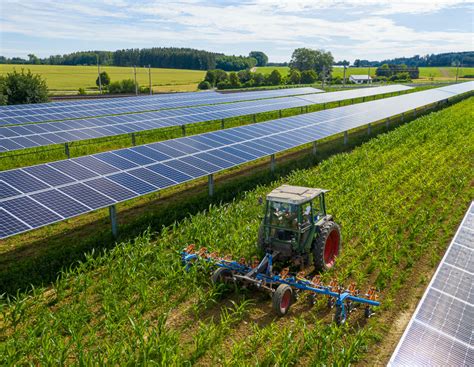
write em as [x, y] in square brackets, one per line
[297, 228]
[295, 231]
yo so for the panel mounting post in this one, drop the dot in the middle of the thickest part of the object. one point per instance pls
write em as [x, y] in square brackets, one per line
[352, 101]
[133, 139]
[183, 128]
[339, 103]
[403, 116]
[414, 112]
[279, 113]
[222, 124]
[345, 138]
[272, 163]
[363, 99]
[369, 128]
[210, 184]
[315, 145]
[254, 118]
[324, 106]
[66, 150]
[113, 220]
[387, 122]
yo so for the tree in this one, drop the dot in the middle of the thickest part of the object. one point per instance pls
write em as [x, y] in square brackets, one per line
[307, 59]
[33, 59]
[234, 80]
[294, 77]
[274, 78]
[258, 79]
[244, 76]
[19, 88]
[261, 58]
[204, 85]
[309, 77]
[104, 79]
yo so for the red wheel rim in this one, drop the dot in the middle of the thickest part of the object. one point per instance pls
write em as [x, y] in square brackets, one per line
[331, 248]
[285, 301]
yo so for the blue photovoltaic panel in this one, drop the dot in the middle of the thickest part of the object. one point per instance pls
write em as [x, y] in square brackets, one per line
[99, 180]
[20, 137]
[441, 331]
[32, 113]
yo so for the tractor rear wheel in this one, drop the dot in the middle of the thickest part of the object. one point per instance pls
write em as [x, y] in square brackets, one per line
[282, 299]
[327, 246]
[221, 275]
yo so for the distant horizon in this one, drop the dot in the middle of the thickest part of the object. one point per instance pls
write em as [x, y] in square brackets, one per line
[269, 61]
[366, 29]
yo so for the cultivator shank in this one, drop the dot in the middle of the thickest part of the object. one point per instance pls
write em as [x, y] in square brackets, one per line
[284, 285]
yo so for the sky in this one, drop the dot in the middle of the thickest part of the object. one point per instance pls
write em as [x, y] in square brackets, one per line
[365, 29]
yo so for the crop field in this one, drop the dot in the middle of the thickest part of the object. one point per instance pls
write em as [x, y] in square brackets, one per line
[63, 78]
[437, 73]
[399, 198]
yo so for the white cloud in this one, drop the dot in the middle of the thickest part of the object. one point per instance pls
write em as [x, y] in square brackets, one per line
[277, 27]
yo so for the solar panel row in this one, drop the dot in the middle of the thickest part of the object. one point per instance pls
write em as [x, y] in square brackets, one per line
[441, 331]
[28, 136]
[35, 196]
[129, 105]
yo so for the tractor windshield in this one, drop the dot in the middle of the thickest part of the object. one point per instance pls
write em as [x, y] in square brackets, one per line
[283, 215]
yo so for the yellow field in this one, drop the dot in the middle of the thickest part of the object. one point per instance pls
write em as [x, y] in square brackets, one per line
[70, 78]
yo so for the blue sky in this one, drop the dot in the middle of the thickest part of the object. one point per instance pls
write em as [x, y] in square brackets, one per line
[366, 29]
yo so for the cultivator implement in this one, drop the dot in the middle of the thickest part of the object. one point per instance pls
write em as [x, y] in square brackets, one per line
[284, 286]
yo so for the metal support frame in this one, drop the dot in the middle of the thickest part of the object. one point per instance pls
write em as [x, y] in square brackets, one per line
[254, 118]
[183, 129]
[307, 109]
[369, 129]
[403, 116]
[352, 101]
[315, 147]
[324, 106]
[133, 139]
[113, 220]
[387, 122]
[363, 99]
[272, 163]
[279, 113]
[339, 103]
[222, 124]
[66, 150]
[210, 184]
[346, 138]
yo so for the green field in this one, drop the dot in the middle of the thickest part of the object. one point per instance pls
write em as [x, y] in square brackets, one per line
[437, 73]
[399, 199]
[70, 78]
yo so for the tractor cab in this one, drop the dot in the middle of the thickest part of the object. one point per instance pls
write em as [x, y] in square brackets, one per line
[294, 218]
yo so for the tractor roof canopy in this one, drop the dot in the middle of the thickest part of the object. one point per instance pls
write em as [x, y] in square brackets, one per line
[294, 194]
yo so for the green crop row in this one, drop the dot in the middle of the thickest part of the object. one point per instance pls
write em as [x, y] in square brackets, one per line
[398, 199]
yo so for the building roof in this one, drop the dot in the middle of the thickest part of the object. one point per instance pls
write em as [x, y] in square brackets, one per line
[294, 194]
[361, 77]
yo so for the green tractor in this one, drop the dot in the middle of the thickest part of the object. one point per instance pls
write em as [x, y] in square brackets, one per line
[296, 228]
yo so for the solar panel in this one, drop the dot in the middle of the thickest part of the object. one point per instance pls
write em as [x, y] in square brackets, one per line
[21, 137]
[441, 331]
[184, 159]
[31, 113]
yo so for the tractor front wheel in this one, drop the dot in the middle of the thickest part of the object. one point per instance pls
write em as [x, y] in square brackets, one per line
[282, 299]
[327, 246]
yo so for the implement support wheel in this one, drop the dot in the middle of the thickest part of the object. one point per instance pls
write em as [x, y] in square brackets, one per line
[282, 299]
[327, 246]
[221, 275]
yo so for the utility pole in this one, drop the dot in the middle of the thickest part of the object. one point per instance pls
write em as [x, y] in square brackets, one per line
[135, 73]
[98, 73]
[149, 77]
[344, 80]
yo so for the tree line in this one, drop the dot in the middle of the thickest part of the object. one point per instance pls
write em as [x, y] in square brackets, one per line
[445, 59]
[306, 67]
[158, 57]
